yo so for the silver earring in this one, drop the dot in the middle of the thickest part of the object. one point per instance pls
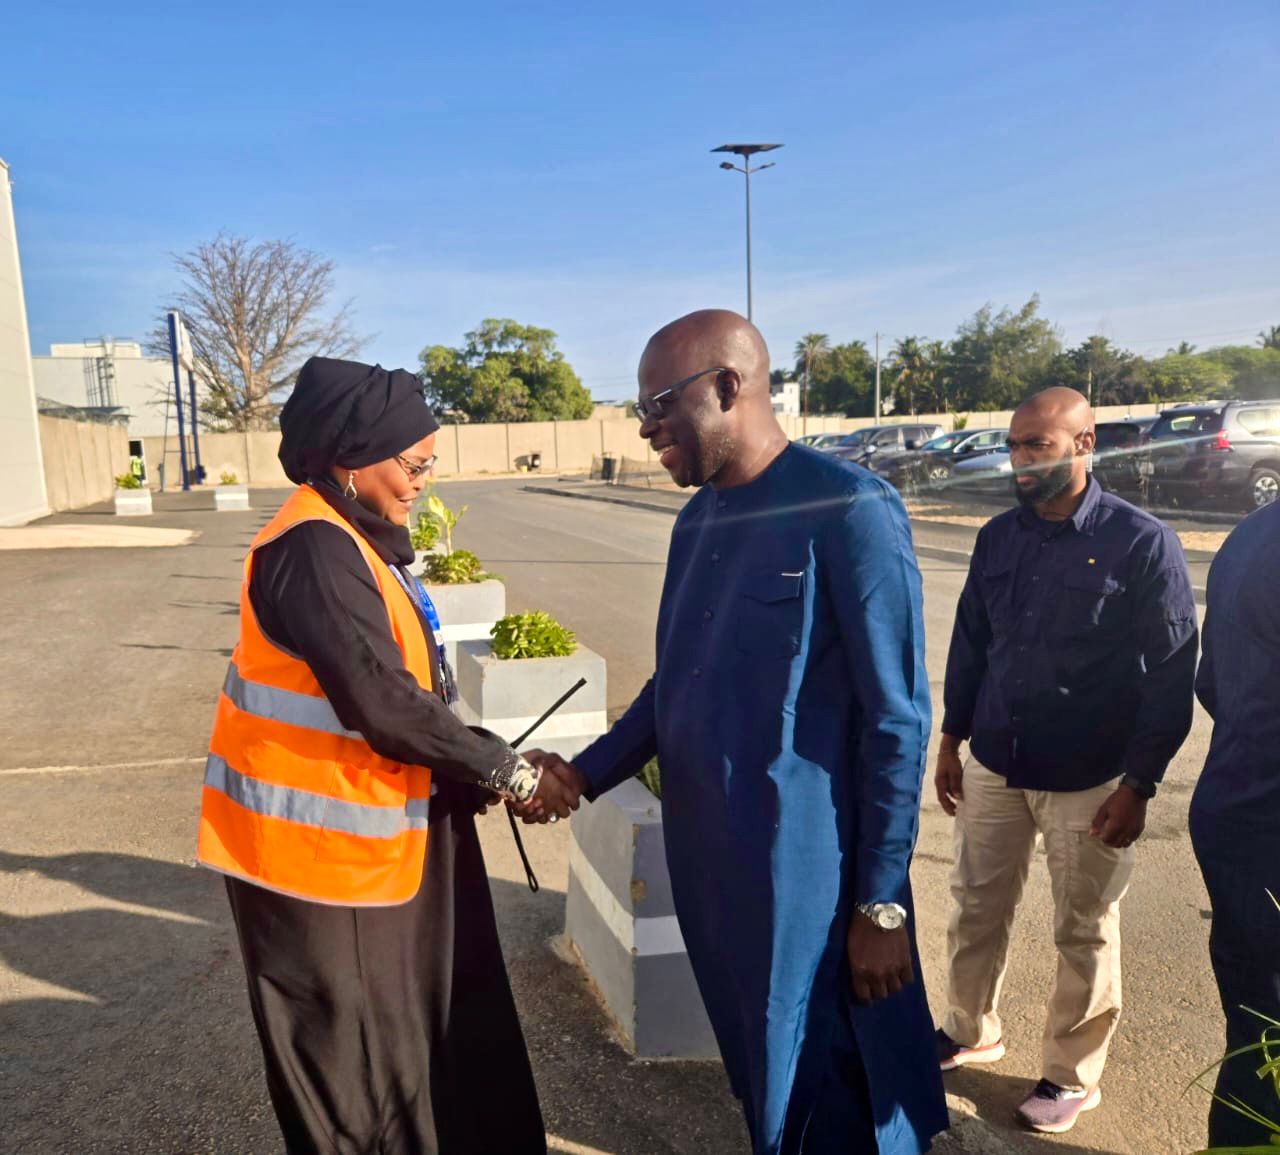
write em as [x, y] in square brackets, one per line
[350, 490]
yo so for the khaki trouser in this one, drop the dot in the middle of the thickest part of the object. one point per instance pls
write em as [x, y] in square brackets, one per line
[994, 841]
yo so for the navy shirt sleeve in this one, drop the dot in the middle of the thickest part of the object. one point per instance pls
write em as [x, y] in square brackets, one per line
[1165, 623]
[967, 658]
[624, 750]
[877, 598]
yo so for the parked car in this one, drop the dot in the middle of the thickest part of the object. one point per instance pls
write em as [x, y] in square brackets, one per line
[986, 473]
[864, 444]
[933, 462]
[820, 440]
[1117, 454]
[1224, 451]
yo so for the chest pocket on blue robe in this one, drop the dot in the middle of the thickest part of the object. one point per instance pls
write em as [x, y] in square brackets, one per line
[768, 614]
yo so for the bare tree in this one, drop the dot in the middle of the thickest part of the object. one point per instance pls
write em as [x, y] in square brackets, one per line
[255, 312]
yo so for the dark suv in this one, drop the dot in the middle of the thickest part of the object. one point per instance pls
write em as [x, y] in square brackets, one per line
[863, 444]
[1116, 454]
[1225, 451]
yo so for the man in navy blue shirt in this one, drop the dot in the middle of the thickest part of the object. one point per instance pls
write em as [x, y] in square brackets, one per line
[1070, 675]
[1235, 811]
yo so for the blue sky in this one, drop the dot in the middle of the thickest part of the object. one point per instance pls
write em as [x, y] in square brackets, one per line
[550, 162]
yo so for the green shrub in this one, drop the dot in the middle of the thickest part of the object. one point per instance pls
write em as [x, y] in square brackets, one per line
[532, 635]
[959, 422]
[228, 478]
[651, 777]
[128, 481]
[425, 533]
[459, 568]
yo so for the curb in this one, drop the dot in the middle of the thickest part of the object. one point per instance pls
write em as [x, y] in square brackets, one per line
[634, 503]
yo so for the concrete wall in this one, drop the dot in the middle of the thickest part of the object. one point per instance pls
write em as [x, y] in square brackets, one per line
[81, 461]
[23, 495]
[566, 446]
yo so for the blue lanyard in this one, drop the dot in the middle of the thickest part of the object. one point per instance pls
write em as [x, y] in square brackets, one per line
[418, 592]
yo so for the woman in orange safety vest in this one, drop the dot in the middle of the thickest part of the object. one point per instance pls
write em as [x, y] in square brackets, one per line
[339, 802]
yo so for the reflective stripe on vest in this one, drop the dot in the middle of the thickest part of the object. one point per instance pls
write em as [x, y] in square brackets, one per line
[284, 705]
[293, 800]
[309, 809]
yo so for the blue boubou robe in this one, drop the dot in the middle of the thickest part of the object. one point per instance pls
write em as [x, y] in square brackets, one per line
[790, 714]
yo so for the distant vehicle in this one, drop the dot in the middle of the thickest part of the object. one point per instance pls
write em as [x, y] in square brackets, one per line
[1224, 451]
[820, 440]
[1117, 454]
[987, 473]
[933, 462]
[863, 444]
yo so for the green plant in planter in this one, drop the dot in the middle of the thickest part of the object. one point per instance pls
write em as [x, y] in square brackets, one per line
[651, 777]
[128, 481]
[228, 478]
[959, 422]
[532, 635]
[425, 533]
[445, 519]
[459, 568]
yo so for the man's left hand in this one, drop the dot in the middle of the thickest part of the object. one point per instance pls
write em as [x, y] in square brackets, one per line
[879, 960]
[1120, 819]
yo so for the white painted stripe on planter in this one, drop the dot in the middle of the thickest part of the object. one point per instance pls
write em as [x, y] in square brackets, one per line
[639, 936]
[466, 631]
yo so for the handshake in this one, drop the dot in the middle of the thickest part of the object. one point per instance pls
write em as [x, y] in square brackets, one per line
[559, 789]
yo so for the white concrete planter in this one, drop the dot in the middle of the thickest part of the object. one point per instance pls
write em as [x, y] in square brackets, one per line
[507, 697]
[133, 502]
[230, 497]
[621, 921]
[468, 612]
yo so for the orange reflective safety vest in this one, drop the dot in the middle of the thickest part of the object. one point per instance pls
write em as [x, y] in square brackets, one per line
[293, 800]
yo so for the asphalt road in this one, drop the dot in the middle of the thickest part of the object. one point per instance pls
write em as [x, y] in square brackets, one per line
[122, 1011]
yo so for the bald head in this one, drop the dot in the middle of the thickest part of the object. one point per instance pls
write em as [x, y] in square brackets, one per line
[707, 338]
[704, 392]
[1059, 407]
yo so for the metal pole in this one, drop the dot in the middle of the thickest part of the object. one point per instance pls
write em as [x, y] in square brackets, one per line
[195, 425]
[746, 167]
[877, 413]
[177, 393]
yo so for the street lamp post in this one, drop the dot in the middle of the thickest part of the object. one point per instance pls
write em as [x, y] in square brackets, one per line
[747, 151]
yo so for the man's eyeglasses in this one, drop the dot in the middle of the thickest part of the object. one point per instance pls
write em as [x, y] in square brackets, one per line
[414, 468]
[658, 405]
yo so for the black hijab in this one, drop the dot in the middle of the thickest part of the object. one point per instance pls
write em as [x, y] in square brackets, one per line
[348, 414]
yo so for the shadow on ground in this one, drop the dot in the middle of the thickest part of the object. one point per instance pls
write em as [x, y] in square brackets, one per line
[139, 1037]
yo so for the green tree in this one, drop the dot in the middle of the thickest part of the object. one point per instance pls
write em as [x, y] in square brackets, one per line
[1105, 374]
[1270, 338]
[1186, 377]
[997, 359]
[810, 351]
[505, 371]
[843, 381]
[915, 370]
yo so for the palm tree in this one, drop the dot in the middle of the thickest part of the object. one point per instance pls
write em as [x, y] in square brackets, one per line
[810, 349]
[914, 368]
[1270, 338]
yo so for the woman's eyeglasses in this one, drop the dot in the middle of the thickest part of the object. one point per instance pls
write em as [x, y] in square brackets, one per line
[416, 469]
[657, 405]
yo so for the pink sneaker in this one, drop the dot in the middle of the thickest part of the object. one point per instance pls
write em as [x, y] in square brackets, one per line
[1051, 1109]
[952, 1054]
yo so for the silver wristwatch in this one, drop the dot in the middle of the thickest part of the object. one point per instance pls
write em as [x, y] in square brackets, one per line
[514, 779]
[885, 915]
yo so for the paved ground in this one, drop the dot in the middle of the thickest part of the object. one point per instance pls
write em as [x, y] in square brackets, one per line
[122, 1010]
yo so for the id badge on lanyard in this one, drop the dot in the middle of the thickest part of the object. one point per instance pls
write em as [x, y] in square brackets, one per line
[418, 592]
